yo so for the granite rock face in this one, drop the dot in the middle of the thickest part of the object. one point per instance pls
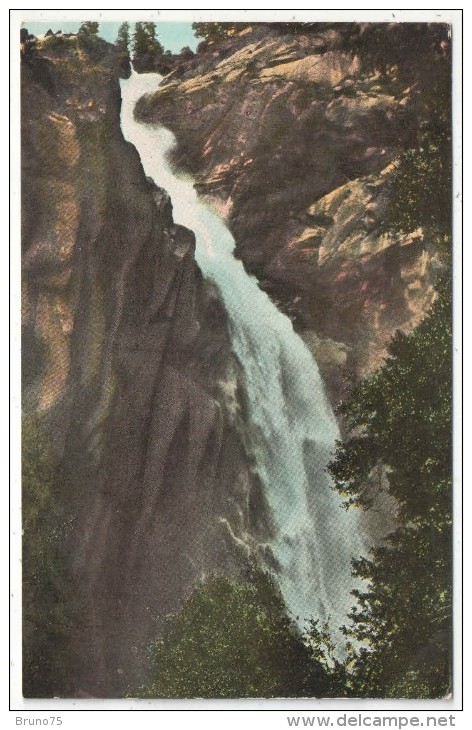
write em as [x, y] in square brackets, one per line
[294, 146]
[126, 349]
[127, 358]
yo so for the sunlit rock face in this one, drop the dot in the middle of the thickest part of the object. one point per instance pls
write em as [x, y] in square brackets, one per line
[294, 145]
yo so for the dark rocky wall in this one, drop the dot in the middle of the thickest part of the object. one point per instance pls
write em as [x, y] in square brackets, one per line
[127, 359]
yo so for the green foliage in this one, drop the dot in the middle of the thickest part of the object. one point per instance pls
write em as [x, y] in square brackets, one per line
[89, 28]
[147, 51]
[90, 43]
[336, 679]
[46, 625]
[233, 638]
[57, 43]
[123, 37]
[28, 45]
[122, 44]
[145, 41]
[405, 616]
[217, 32]
[401, 418]
[417, 57]
[186, 53]
[420, 189]
[406, 48]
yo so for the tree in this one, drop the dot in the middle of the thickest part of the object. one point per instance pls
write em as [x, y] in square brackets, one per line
[217, 32]
[122, 51]
[89, 28]
[147, 51]
[139, 40]
[28, 45]
[154, 47]
[186, 53]
[405, 615]
[233, 638]
[90, 43]
[401, 418]
[123, 37]
[406, 51]
[145, 41]
[420, 187]
[416, 56]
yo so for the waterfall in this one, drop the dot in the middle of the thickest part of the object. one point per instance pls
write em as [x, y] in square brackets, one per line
[292, 426]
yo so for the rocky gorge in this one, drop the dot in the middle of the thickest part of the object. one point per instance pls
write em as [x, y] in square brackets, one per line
[150, 401]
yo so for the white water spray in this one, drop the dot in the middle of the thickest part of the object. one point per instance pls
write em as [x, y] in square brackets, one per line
[293, 429]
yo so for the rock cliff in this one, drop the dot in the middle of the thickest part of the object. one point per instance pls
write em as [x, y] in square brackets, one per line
[127, 358]
[295, 144]
[126, 348]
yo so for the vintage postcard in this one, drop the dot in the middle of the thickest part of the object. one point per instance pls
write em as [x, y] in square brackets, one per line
[238, 248]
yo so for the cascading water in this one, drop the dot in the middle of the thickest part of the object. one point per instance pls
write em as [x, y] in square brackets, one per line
[293, 429]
